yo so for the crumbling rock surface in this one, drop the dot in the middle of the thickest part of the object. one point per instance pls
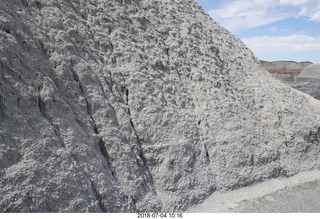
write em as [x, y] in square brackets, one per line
[138, 105]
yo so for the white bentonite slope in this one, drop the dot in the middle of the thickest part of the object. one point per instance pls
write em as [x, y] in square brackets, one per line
[138, 105]
[312, 71]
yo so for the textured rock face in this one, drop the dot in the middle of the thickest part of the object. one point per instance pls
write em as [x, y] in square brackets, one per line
[137, 105]
[285, 67]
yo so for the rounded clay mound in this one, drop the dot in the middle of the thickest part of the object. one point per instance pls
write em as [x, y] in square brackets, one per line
[312, 71]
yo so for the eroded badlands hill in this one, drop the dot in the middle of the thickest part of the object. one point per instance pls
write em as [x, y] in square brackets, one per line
[289, 68]
[137, 105]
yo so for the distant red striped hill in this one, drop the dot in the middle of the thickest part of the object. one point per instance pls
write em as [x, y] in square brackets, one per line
[291, 73]
[285, 67]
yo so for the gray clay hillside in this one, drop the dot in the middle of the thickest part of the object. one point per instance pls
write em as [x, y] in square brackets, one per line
[312, 71]
[138, 105]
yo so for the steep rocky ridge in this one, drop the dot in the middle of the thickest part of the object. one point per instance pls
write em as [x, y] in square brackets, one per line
[137, 105]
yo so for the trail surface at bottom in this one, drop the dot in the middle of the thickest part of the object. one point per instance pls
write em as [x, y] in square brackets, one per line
[300, 193]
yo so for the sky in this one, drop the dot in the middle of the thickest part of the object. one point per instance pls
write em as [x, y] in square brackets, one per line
[273, 29]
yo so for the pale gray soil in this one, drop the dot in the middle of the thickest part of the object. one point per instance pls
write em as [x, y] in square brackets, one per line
[300, 193]
[310, 86]
[138, 105]
[312, 71]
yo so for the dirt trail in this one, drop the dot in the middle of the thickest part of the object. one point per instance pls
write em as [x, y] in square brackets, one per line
[299, 193]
